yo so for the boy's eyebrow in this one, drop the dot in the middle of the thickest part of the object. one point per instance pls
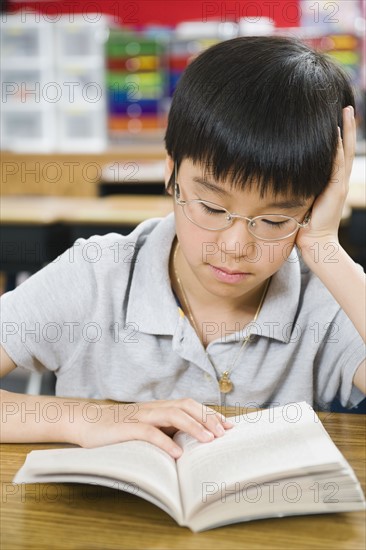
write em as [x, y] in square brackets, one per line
[290, 203]
[284, 204]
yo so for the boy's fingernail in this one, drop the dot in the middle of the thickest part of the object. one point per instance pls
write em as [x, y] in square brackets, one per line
[176, 452]
[207, 435]
[228, 423]
[219, 429]
[225, 420]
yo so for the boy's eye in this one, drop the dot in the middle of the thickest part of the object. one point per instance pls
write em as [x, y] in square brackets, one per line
[273, 223]
[209, 210]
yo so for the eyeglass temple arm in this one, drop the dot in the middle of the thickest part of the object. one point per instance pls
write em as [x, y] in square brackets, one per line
[307, 218]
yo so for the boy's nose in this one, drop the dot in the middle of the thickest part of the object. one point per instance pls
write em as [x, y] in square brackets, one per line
[237, 240]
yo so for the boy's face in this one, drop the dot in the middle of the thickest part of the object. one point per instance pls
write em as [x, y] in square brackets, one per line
[230, 262]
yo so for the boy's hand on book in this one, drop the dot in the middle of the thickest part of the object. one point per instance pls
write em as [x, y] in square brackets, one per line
[328, 206]
[154, 422]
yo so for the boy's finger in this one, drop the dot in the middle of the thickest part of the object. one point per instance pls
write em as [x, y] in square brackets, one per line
[349, 141]
[339, 162]
[213, 420]
[176, 417]
[188, 415]
[184, 421]
[151, 434]
[202, 413]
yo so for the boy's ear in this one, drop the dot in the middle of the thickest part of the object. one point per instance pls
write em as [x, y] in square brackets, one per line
[169, 168]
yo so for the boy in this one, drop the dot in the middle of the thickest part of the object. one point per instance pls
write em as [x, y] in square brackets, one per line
[215, 304]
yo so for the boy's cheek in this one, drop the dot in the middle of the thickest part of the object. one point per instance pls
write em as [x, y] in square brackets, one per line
[272, 254]
[284, 250]
[287, 247]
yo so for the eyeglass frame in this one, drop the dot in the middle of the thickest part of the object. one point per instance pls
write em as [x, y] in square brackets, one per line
[234, 216]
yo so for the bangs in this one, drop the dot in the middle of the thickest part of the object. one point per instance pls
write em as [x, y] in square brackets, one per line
[266, 119]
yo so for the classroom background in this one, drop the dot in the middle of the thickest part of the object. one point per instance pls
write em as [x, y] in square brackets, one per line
[86, 88]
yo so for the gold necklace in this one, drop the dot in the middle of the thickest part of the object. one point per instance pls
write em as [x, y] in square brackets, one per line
[225, 384]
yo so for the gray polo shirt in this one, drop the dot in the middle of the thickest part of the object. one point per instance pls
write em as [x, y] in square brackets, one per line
[104, 318]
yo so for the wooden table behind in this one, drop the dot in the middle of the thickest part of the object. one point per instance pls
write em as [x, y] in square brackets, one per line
[86, 517]
[67, 174]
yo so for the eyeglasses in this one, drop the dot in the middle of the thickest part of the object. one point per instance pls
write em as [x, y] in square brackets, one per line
[211, 216]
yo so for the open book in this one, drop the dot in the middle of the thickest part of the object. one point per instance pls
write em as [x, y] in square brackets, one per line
[274, 462]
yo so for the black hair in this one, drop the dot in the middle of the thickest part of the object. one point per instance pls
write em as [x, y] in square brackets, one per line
[260, 111]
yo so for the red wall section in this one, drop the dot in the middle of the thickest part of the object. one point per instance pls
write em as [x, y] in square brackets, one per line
[286, 13]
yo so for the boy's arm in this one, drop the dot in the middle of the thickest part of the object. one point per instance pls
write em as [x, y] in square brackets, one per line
[346, 281]
[92, 423]
[359, 379]
[319, 244]
[6, 363]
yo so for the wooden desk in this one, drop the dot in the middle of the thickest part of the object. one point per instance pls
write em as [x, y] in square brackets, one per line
[120, 210]
[123, 178]
[67, 174]
[86, 517]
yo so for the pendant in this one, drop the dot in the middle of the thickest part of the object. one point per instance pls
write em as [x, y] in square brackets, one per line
[225, 384]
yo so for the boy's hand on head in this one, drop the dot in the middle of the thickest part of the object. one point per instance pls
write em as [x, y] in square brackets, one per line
[328, 207]
[152, 421]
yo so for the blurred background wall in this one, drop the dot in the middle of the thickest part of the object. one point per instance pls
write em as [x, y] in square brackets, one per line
[82, 76]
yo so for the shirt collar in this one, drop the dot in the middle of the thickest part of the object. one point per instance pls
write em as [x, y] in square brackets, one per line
[152, 305]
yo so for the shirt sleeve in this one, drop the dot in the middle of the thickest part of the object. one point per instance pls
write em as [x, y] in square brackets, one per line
[340, 354]
[43, 319]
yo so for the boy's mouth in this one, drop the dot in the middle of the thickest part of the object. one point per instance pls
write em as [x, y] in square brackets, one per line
[229, 272]
[228, 276]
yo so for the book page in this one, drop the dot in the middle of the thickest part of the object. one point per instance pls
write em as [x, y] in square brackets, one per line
[310, 494]
[263, 445]
[136, 462]
[125, 486]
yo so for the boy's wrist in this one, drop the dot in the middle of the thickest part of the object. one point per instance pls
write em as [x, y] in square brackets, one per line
[77, 414]
[68, 426]
[322, 252]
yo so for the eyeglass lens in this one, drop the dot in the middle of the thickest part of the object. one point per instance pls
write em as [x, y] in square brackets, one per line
[210, 216]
